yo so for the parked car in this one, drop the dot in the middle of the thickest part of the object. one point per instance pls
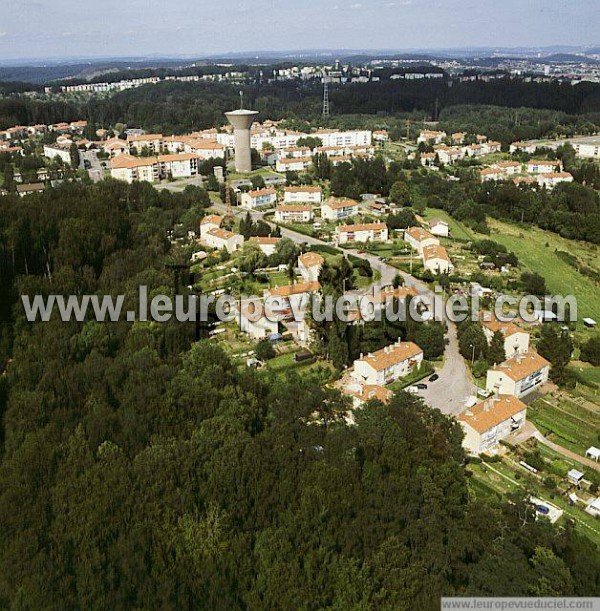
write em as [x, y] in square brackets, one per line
[421, 386]
[434, 377]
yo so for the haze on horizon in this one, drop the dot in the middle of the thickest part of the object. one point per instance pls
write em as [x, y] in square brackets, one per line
[127, 28]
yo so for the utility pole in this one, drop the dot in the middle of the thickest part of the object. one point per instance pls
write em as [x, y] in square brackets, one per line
[407, 129]
[325, 99]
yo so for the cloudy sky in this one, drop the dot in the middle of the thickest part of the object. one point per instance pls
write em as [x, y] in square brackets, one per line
[76, 28]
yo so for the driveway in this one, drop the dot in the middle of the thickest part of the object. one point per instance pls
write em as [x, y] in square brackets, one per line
[95, 171]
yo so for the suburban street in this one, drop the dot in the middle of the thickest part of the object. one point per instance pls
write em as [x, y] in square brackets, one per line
[95, 167]
[454, 386]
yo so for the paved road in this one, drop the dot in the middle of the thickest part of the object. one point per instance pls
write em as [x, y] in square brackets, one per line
[95, 170]
[454, 386]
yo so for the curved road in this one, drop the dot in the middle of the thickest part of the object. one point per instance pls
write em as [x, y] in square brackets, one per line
[454, 386]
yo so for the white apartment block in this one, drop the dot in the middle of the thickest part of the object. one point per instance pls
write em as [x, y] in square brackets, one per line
[295, 164]
[518, 376]
[490, 421]
[436, 259]
[388, 364]
[542, 167]
[516, 341]
[525, 147]
[294, 195]
[260, 198]
[552, 179]
[419, 238]
[335, 210]
[294, 213]
[183, 165]
[62, 152]
[368, 232]
[309, 266]
[133, 169]
[151, 142]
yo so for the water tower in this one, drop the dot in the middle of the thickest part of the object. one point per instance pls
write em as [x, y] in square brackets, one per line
[242, 120]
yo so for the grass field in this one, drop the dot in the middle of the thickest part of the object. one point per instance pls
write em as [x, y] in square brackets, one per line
[457, 229]
[566, 423]
[536, 251]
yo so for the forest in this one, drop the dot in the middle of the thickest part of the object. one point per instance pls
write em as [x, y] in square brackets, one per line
[175, 107]
[142, 470]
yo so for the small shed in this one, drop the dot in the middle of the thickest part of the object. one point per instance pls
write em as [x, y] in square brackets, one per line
[593, 453]
[589, 322]
[574, 476]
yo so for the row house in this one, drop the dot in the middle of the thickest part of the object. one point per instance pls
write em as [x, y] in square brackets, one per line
[388, 364]
[518, 376]
[312, 195]
[368, 232]
[260, 198]
[336, 210]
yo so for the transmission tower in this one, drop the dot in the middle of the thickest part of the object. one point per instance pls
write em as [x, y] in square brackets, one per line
[325, 99]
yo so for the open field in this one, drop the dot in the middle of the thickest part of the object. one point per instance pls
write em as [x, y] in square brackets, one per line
[536, 251]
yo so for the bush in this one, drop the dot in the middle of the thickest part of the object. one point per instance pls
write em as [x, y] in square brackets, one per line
[264, 350]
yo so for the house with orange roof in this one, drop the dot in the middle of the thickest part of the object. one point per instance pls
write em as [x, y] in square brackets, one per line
[266, 244]
[487, 423]
[367, 232]
[516, 340]
[536, 166]
[259, 198]
[294, 195]
[179, 165]
[518, 376]
[212, 221]
[388, 364]
[336, 210]
[115, 146]
[220, 239]
[436, 259]
[309, 265]
[294, 213]
[419, 238]
[131, 169]
[152, 142]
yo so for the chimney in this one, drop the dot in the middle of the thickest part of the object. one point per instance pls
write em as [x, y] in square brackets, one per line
[487, 405]
[361, 355]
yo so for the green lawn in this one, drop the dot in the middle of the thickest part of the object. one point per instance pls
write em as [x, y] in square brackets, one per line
[566, 423]
[457, 229]
[529, 244]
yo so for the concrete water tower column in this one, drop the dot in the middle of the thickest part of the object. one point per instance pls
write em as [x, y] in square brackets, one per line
[242, 120]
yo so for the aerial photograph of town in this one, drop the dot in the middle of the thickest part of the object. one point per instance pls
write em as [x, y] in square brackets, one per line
[299, 305]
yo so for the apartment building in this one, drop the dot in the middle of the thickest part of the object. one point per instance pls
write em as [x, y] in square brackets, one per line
[551, 179]
[62, 152]
[388, 364]
[368, 232]
[336, 210]
[487, 423]
[519, 375]
[294, 195]
[516, 340]
[133, 169]
[260, 198]
[294, 213]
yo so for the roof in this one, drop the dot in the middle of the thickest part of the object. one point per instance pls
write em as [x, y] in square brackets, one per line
[144, 137]
[302, 189]
[221, 233]
[294, 289]
[395, 293]
[178, 157]
[264, 240]
[363, 227]
[557, 175]
[521, 366]
[215, 219]
[374, 391]
[506, 328]
[344, 203]
[204, 143]
[129, 161]
[34, 186]
[433, 222]
[391, 355]
[420, 234]
[294, 208]
[435, 251]
[492, 412]
[260, 192]
[290, 160]
[311, 259]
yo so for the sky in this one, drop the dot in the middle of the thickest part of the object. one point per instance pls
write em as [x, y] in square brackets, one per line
[117, 28]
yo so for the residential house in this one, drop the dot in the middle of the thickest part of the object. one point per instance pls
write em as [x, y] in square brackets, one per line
[550, 180]
[266, 244]
[519, 375]
[436, 259]
[309, 265]
[516, 340]
[261, 198]
[294, 195]
[439, 228]
[220, 239]
[419, 238]
[368, 232]
[297, 213]
[430, 136]
[336, 210]
[35, 187]
[115, 146]
[388, 364]
[524, 147]
[212, 221]
[488, 422]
